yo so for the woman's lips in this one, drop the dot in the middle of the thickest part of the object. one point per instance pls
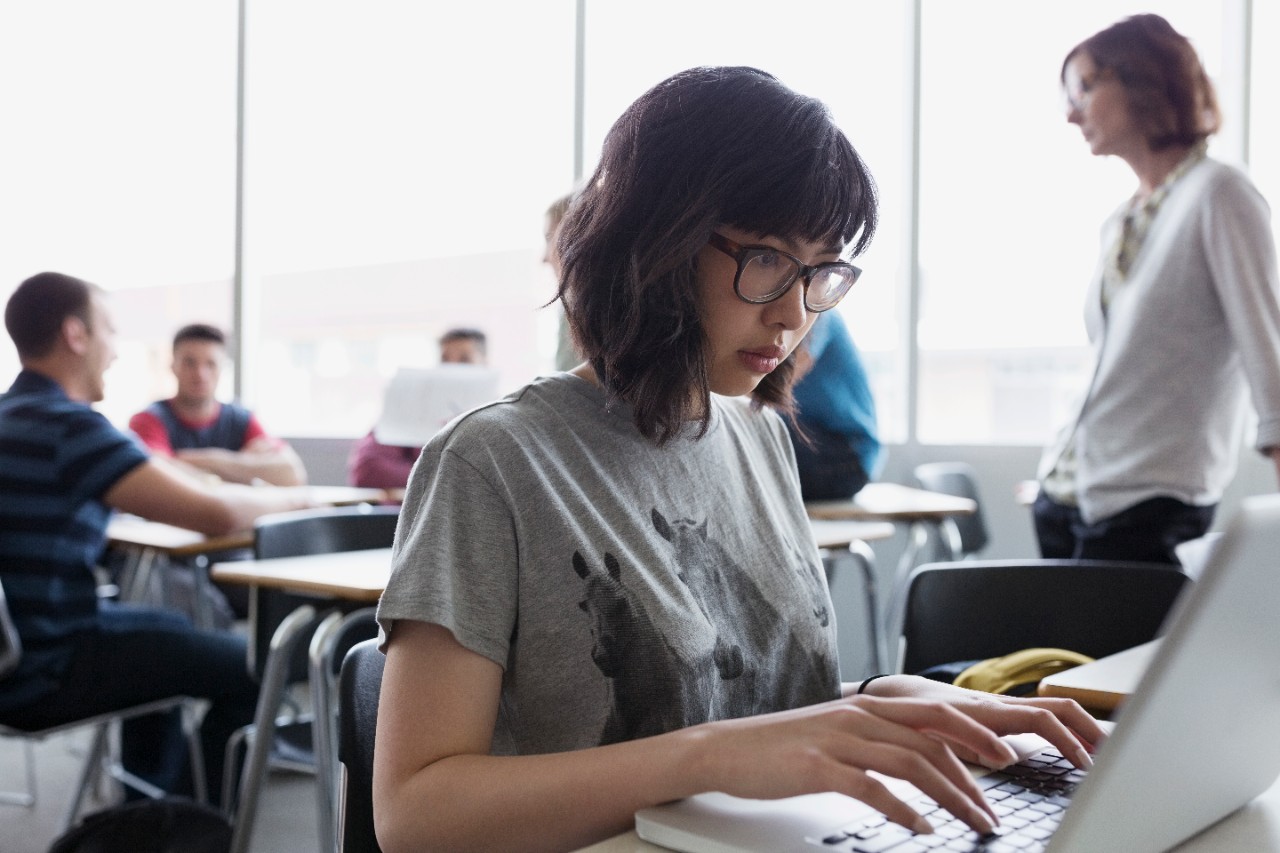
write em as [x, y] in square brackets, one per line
[762, 360]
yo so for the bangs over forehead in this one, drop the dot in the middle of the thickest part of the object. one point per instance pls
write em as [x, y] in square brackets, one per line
[819, 191]
[732, 146]
[775, 162]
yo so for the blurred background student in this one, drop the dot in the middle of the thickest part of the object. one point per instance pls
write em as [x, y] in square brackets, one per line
[386, 466]
[196, 430]
[567, 355]
[834, 433]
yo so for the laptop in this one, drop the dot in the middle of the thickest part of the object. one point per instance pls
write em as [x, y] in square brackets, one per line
[1198, 739]
[421, 400]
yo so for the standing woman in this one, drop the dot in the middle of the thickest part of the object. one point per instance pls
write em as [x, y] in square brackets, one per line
[605, 591]
[1182, 312]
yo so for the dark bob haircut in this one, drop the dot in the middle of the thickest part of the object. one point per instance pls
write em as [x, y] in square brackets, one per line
[1168, 92]
[36, 310]
[705, 148]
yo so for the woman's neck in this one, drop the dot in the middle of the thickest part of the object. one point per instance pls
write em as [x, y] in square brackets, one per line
[1154, 166]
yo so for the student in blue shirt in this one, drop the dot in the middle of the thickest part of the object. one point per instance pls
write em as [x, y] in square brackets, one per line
[834, 431]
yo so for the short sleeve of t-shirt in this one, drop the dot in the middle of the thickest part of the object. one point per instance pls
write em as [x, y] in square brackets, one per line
[94, 455]
[151, 431]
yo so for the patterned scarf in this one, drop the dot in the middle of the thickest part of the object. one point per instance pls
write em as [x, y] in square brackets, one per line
[1136, 224]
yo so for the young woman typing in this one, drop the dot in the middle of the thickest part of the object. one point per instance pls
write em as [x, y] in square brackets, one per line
[605, 592]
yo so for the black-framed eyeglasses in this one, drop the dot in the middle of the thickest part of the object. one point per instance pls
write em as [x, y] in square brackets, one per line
[765, 274]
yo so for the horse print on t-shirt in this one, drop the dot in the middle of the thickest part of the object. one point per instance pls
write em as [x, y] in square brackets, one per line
[654, 689]
[757, 664]
[761, 661]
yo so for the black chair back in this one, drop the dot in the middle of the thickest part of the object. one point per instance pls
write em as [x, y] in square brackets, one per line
[959, 479]
[974, 610]
[296, 534]
[359, 685]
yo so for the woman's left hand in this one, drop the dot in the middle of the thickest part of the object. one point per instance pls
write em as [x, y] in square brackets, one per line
[1062, 722]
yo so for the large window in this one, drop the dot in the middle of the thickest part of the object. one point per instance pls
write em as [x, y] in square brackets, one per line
[1011, 204]
[1264, 118]
[398, 164]
[119, 167]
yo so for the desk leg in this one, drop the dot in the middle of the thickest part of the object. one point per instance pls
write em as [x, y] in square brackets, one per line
[201, 608]
[135, 576]
[861, 554]
[866, 560]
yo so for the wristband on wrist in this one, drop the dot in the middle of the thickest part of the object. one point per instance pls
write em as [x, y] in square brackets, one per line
[863, 686]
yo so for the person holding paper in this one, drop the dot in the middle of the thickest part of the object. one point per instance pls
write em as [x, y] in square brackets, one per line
[386, 466]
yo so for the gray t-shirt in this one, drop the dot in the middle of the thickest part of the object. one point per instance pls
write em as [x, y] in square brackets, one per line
[626, 589]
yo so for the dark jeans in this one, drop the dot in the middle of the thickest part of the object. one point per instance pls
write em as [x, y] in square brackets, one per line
[829, 469]
[1145, 532]
[142, 654]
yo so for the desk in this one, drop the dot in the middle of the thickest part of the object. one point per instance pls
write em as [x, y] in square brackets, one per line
[345, 495]
[148, 543]
[834, 535]
[893, 502]
[1104, 684]
[358, 576]
[923, 512]
[349, 575]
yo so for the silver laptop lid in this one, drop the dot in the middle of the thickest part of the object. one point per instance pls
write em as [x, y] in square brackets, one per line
[1205, 719]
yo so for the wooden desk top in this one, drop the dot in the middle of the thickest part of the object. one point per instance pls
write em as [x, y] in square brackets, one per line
[1104, 684]
[346, 495]
[892, 502]
[132, 531]
[350, 575]
[840, 534]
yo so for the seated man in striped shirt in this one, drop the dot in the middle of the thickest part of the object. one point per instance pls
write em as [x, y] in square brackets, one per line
[63, 469]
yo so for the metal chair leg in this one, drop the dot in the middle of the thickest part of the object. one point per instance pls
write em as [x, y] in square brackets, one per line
[26, 798]
[274, 681]
[322, 728]
[97, 749]
[865, 558]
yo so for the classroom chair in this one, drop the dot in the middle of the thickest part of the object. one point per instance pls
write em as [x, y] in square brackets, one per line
[359, 685]
[334, 637]
[97, 759]
[973, 610]
[968, 533]
[282, 626]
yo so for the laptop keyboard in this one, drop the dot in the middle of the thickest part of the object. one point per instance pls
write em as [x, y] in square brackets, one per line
[1029, 798]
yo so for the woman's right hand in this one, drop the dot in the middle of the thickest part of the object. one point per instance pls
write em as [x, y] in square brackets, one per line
[833, 746]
